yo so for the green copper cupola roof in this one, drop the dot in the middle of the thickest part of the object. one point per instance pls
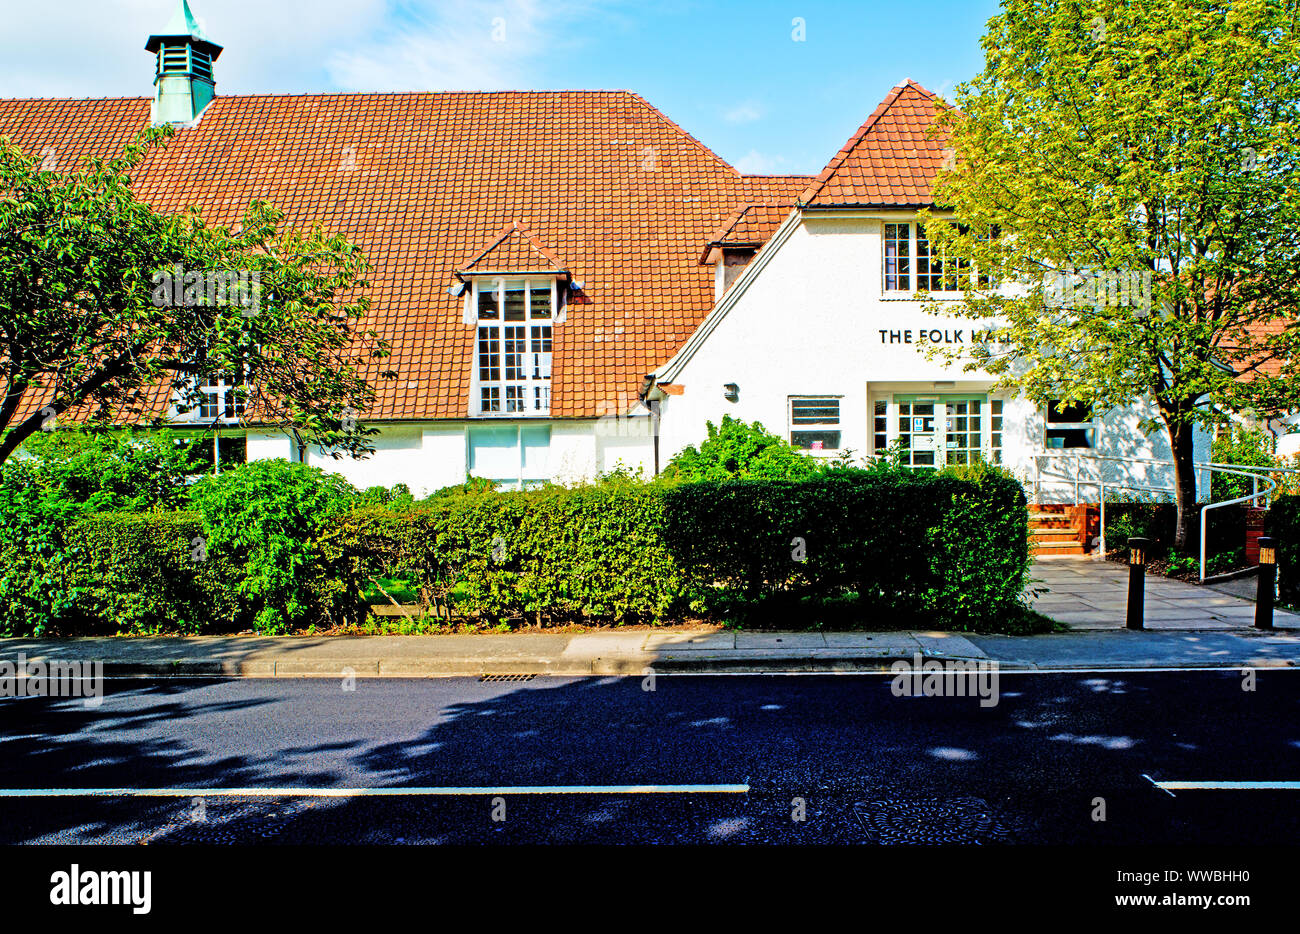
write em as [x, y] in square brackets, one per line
[183, 26]
[183, 83]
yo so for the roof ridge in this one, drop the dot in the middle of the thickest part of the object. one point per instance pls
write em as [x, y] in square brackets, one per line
[814, 189]
[678, 127]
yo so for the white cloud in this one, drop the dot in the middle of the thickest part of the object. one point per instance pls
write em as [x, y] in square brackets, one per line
[89, 48]
[757, 163]
[744, 112]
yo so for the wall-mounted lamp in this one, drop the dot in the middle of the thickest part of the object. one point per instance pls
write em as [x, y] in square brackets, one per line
[730, 392]
[456, 289]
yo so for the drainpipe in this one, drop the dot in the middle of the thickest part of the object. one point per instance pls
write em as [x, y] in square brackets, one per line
[654, 406]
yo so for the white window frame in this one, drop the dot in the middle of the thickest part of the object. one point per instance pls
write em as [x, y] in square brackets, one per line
[218, 389]
[534, 389]
[1093, 425]
[913, 262]
[522, 481]
[837, 425]
[993, 413]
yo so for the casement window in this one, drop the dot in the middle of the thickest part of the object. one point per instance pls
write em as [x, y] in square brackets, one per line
[913, 264]
[1070, 425]
[815, 422]
[514, 345]
[219, 399]
[511, 456]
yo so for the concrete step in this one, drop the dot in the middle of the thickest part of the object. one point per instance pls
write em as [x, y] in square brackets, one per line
[1048, 536]
[1057, 548]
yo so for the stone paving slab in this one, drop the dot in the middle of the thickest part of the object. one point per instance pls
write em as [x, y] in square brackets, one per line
[1088, 594]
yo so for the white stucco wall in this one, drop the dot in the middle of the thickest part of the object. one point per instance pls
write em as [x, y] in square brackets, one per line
[808, 320]
[427, 456]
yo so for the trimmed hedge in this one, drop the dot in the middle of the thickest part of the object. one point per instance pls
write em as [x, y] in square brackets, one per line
[550, 554]
[949, 551]
[142, 573]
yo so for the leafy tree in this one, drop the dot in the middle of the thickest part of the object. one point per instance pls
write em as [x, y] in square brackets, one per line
[102, 471]
[90, 319]
[1133, 137]
[740, 449]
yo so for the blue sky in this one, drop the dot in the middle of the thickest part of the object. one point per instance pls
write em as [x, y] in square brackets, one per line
[731, 73]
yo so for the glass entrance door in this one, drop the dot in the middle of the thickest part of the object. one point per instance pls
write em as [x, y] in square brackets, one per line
[963, 431]
[917, 434]
[934, 431]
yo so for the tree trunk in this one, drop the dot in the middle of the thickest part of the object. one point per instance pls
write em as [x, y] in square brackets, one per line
[1186, 534]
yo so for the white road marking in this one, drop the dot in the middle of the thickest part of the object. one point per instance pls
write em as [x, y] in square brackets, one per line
[1171, 787]
[293, 792]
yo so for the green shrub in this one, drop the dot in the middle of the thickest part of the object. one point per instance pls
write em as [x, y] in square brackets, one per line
[266, 518]
[589, 552]
[1283, 523]
[54, 479]
[739, 449]
[107, 470]
[1156, 520]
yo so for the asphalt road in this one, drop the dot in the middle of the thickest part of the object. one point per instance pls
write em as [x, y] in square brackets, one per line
[869, 767]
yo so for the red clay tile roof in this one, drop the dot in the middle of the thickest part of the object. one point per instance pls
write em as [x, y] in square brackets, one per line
[514, 249]
[750, 225]
[424, 182]
[891, 160]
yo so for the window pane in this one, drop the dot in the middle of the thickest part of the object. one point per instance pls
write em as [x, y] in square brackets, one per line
[815, 411]
[489, 355]
[537, 449]
[539, 302]
[487, 302]
[1070, 437]
[897, 253]
[815, 440]
[515, 303]
[1068, 412]
[233, 452]
[540, 350]
[490, 399]
[514, 352]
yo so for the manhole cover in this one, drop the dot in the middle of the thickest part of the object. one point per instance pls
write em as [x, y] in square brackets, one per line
[495, 678]
[927, 821]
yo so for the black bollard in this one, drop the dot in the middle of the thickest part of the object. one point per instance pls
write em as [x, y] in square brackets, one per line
[1137, 571]
[1267, 583]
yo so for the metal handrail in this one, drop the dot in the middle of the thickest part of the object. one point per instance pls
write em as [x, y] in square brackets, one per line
[1244, 470]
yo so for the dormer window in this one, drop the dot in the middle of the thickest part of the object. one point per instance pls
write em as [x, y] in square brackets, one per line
[514, 343]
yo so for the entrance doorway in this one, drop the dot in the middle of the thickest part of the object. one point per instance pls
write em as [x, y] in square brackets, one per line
[933, 431]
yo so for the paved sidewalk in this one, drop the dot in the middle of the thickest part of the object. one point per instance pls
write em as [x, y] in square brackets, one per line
[636, 652]
[1085, 593]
